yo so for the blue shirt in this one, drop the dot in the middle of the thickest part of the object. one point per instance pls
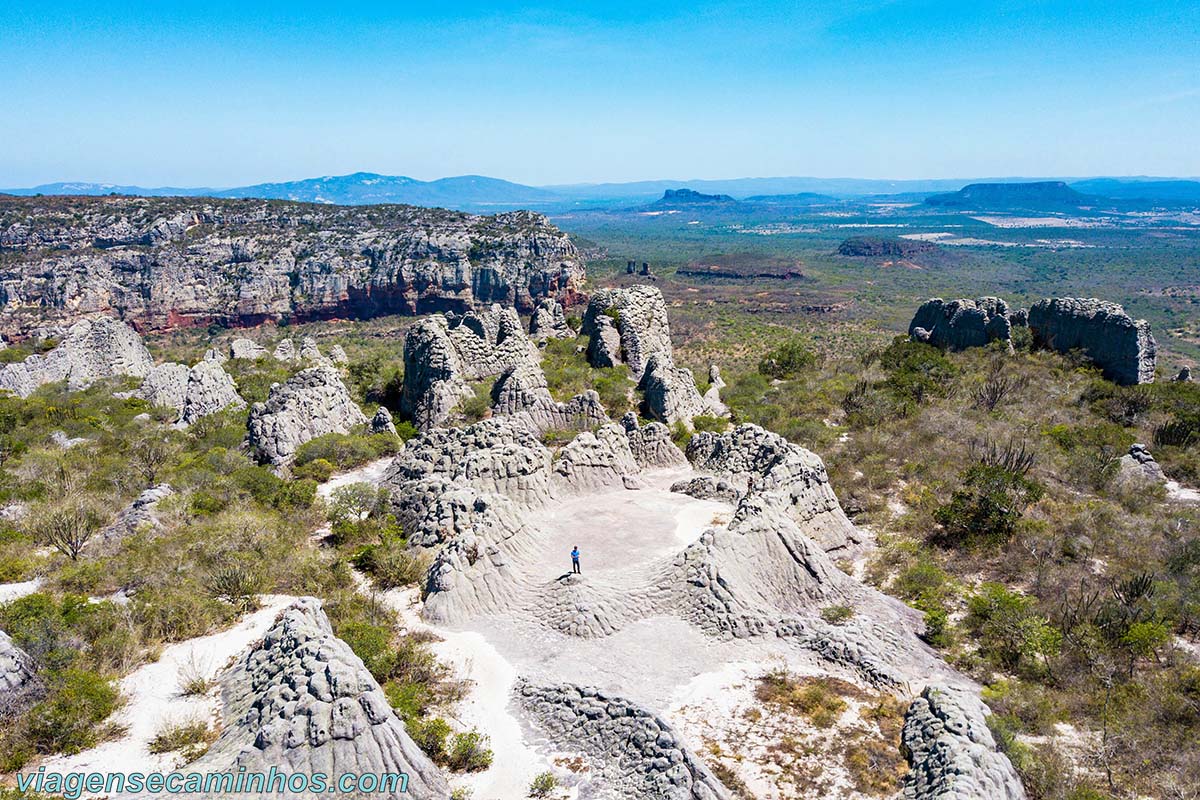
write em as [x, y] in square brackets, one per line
[575, 554]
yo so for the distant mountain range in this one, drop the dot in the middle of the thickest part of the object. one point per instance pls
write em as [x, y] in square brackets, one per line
[480, 193]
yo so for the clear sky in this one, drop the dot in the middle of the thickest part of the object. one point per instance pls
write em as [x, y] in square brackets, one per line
[216, 93]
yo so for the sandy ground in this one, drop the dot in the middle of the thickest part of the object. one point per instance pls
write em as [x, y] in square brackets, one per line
[15, 591]
[152, 696]
[1182, 494]
[367, 473]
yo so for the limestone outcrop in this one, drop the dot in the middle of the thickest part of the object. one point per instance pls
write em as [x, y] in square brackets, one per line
[247, 349]
[443, 354]
[549, 321]
[1139, 465]
[633, 753]
[204, 389]
[302, 701]
[951, 752]
[311, 403]
[521, 393]
[1122, 347]
[141, 514]
[959, 324]
[91, 350]
[651, 444]
[669, 393]
[772, 473]
[285, 351]
[626, 326]
[20, 686]
[164, 263]
[382, 422]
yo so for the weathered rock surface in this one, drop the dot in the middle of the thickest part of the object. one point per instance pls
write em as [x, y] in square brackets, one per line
[141, 514]
[1139, 465]
[951, 752]
[773, 473]
[443, 354]
[285, 351]
[637, 316]
[549, 321]
[382, 422]
[959, 324]
[651, 444]
[669, 393]
[247, 349]
[204, 389]
[311, 403]
[708, 487]
[20, 686]
[1123, 348]
[164, 263]
[634, 753]
[92, 349]
[521, 393]
[302, 701]
[338, 356]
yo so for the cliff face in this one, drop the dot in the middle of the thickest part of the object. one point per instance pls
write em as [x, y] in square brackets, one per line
[162, 263]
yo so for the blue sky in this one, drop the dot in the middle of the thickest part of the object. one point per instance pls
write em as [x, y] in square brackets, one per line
[220, 93]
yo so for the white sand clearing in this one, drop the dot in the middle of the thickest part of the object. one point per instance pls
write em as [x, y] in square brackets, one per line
[370, 473]
[15, 591]
[486, 706]
[153, 698]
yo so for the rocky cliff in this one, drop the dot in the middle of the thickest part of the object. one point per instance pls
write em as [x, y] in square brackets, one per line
[1122, 347]
[163, 263]
[959, 324]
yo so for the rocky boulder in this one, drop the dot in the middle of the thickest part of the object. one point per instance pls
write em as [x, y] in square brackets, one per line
[774, 475]
[443, 354]
[285, 351]
[141, 514]
[669, 393]
[91, 350]
[1122, 347]
[634, 754]
[549, 321]
[20, 686]
[382, 422]
[204, 389]
[959, 324]
[638, 315]
[521, 393]
[651, 444]
[311, 403]
[247, 349]
[951, 752]
[302, 701]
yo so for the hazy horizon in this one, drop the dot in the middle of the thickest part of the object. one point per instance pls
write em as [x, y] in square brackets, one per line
[223, 95]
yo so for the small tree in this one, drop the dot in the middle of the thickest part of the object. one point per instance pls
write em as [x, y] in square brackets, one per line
[150, 453]
[67, 525]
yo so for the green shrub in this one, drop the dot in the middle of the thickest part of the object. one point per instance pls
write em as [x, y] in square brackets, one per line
[986, 508]
[704, 422]
[318, 470]
[787, 361]
[543, 785]
[67, 720]
[390, 564]
[836, 615]
[430, 735]
[469, 752]
[177, 736]
[347, 450]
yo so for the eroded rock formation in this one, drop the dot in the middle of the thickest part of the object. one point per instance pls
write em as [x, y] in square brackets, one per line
[444, 354]
[163, 263]
[549, 321]
[92, 349]
[204, 389]
[635, 754]
[141, 514]
[626, 326]
[771, 472]
[247, 349]
[1122, 347]
[311, 403]
[20, 686]
[302, 701]
[951, 752]
[959, 324]
[521, 393]
[669, 393]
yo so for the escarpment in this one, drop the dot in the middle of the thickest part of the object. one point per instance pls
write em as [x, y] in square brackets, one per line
[163, 263]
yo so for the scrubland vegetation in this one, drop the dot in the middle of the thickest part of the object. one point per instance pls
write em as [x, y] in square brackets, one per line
[1070, 589]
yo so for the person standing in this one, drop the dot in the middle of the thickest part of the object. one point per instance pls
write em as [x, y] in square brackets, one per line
[575, 561]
